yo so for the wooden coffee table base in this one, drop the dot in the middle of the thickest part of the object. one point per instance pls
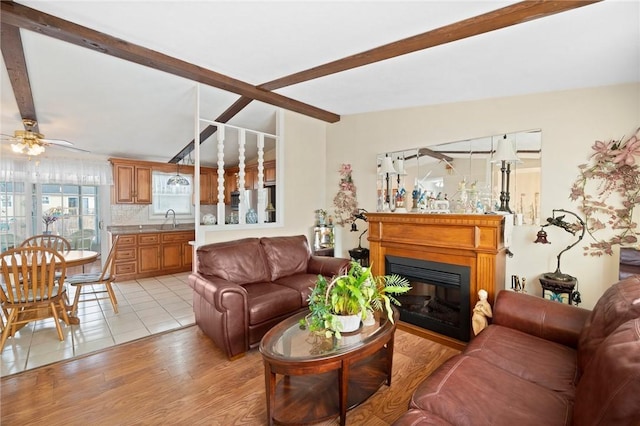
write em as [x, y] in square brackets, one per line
[314, 398]
[317, 383]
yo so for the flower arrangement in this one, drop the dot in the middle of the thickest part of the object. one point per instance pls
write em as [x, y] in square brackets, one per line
[608, 189]
[50, 216]
[321, 216]
[345, 202]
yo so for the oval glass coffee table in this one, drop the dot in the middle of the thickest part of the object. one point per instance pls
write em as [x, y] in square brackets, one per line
[324, 377]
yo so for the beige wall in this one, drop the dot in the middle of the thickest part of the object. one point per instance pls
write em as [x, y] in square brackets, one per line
[570, 121]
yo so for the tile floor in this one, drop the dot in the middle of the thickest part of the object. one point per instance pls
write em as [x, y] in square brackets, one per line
[145, 307]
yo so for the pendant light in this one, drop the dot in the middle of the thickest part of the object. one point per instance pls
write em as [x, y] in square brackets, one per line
[178, 180]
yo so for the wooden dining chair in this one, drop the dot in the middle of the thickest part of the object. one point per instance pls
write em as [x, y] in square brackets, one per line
[100, 283]
[83, 239]
[54, 242]
[29, 290]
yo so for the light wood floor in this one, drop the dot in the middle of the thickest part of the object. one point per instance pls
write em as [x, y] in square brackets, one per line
[182, 378]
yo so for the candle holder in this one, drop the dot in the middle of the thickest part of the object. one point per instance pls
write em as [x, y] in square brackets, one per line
[541, 238]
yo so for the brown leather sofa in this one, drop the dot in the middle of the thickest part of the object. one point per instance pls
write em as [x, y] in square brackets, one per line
[243, 288]
[542, 363]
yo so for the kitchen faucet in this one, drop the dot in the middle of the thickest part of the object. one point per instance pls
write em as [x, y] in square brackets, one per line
[166, 216]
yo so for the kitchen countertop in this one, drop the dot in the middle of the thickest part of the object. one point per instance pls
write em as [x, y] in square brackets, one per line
[143, 229]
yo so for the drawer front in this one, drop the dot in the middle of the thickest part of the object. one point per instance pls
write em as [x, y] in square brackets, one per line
[125, 268]
[148, 239]
[126, 254]
[170, 237]
[127, 240]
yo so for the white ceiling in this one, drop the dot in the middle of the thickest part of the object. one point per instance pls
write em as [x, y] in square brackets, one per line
[116, 108]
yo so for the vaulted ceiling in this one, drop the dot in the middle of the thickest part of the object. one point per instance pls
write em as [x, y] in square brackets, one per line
[322, 59]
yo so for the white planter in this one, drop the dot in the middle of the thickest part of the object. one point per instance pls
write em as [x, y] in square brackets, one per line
[349, 322]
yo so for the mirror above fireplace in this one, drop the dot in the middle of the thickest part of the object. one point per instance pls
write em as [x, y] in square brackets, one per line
[459, 177]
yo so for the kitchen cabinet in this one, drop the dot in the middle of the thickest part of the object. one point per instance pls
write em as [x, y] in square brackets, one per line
[126, 256]
[148, 254]
[132, 183]
[208, 186]
[230, 184]
[251, 178]
[176, 250]
[187, 254]
[269, 172]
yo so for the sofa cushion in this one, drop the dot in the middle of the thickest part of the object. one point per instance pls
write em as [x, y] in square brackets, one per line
[532, 358]
[467, 390]
[286, 255]
[609, 390]
[302, 283]
[267, 301]
[618, 304]
[240, 261]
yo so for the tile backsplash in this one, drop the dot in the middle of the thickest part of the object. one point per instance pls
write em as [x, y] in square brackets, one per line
[138, 214]
[133, 214]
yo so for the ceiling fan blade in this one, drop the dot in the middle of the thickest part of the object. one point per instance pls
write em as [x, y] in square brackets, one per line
[60, 142]
[69, 148]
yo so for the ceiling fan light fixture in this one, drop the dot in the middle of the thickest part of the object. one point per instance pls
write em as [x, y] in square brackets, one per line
[28, 148]
[35, 150]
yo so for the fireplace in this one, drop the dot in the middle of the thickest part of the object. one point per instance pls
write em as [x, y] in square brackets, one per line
[439, 295]
[447, 258]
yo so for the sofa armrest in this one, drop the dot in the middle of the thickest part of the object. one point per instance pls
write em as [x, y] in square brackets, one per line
[221, 294]
[540, 317]
[328, 266]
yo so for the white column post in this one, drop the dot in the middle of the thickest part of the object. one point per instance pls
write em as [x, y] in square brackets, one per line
[261, 204]
[242, 209]
[221, 213]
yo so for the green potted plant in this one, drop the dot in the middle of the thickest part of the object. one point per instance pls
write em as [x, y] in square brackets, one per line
[351, 295]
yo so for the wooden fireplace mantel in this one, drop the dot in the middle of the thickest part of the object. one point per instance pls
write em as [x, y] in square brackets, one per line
[473, 240]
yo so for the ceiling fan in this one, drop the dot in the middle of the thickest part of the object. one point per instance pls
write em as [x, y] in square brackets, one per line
[32, 143]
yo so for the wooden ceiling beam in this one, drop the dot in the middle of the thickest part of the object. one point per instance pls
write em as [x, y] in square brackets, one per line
[13, 55]
[33, 20]
[500, 18]
[208, 131]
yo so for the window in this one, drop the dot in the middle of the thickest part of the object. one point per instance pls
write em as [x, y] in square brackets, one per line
[165, 197]
[13, 218]
[79, 220]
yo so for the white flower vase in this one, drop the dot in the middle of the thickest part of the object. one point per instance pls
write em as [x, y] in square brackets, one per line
[349, 322]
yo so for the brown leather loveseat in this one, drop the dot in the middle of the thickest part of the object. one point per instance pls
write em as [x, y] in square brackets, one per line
[542, 363]
[243, 288]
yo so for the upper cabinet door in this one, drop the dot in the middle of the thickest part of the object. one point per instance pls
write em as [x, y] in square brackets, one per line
[132, 184]
[143, 185]
[124, 178]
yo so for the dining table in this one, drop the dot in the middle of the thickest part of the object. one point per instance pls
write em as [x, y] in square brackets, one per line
[74, 258]
[79, 257]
